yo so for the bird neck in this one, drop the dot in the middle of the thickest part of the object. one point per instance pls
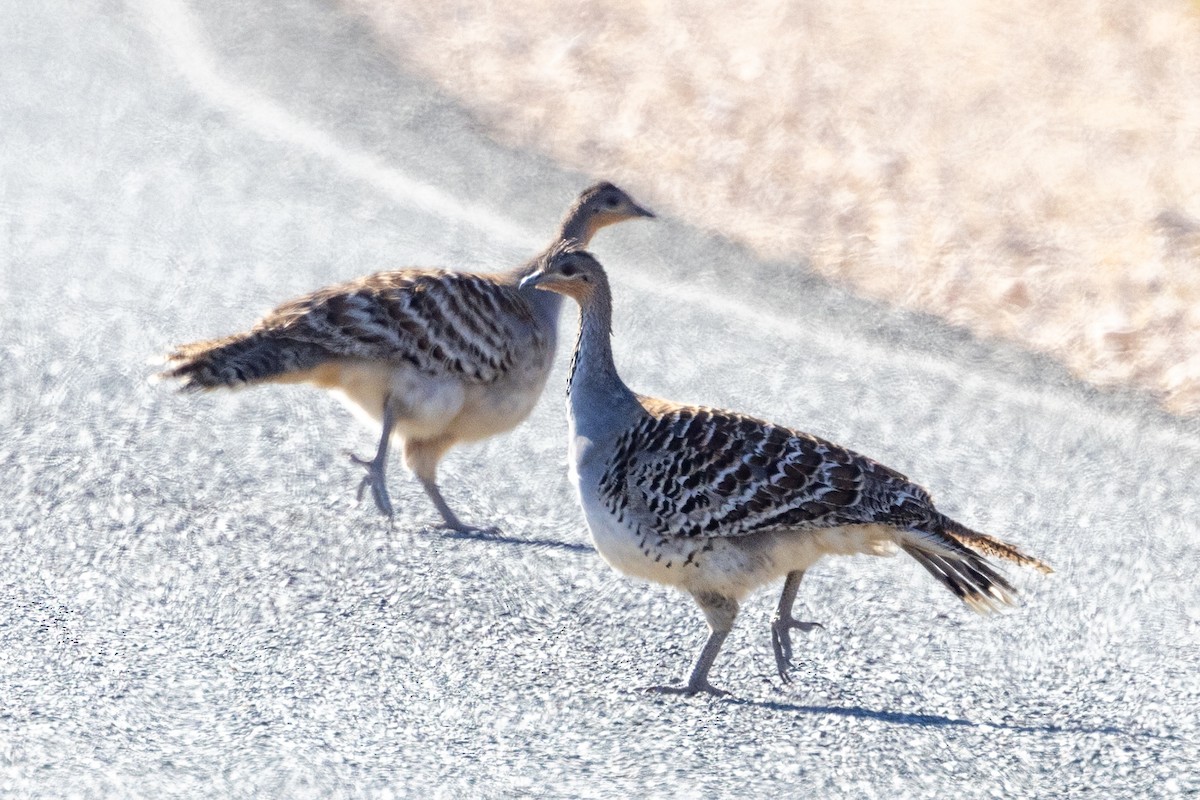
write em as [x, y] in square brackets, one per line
[578, 227]
[546, 307]
[599, 400]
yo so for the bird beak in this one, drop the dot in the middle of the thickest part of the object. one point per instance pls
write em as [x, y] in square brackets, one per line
[531, 281]
[642, 212]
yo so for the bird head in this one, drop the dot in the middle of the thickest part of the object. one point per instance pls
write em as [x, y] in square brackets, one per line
[597, 207]
[569, 271]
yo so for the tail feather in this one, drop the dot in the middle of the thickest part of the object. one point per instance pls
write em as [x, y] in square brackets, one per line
[989, 545]
[971, 578]
[238, 360]
[957, 557]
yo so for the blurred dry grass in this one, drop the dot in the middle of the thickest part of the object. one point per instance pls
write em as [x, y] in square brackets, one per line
[1028, 170]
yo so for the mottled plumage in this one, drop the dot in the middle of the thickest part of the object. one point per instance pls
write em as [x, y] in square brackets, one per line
[435, 357]
[718, 503]
[702, 471]
[471, 326]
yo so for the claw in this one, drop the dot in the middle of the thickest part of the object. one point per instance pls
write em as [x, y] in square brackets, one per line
[781, 642]
[382, 501]
[374, 479]
[690, 690]
[470, 530]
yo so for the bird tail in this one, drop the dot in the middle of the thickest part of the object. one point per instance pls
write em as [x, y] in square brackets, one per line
[990, 545]
[238, 360]
[956, 556]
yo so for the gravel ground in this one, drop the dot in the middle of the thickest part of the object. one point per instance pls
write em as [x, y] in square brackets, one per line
[193, 605]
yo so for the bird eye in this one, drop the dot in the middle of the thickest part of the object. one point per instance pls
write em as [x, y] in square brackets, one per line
[611, 202]
[569, 271]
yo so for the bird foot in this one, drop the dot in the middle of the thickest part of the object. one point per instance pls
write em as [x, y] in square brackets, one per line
[469, 530]
[781, 641]
[690, 690]
[378, 485]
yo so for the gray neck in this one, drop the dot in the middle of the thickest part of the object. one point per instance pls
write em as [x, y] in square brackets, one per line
[601, 404]
[575, 226]
[546, 305]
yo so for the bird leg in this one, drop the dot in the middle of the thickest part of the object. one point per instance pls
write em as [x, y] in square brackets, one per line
[782, 624]
[449, 518]
[377, 466]
[720, 612]
[422, 458]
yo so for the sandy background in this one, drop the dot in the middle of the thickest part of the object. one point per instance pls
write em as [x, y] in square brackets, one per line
[1024, 170]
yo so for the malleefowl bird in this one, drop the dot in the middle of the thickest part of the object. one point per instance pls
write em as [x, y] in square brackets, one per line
[717, 503]
[435, 357]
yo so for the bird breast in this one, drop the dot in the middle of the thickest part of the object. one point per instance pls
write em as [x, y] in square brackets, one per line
[731, 566]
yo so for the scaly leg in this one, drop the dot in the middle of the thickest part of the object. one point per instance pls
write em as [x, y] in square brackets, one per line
[377, 467]
[449, 518]
[782, 624]
[720, 611]
[422, 458]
